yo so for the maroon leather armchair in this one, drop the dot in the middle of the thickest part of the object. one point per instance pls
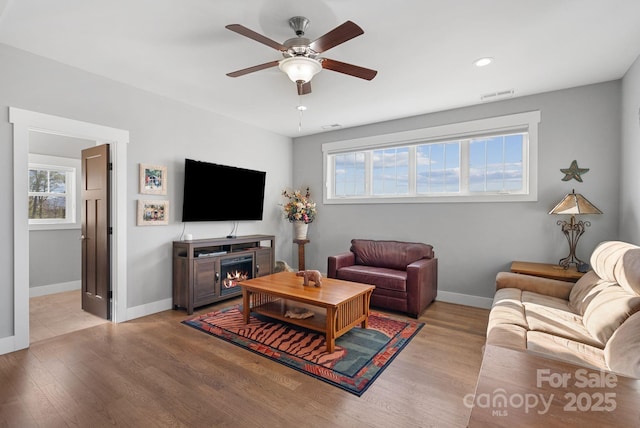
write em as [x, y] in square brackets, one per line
[405, 273]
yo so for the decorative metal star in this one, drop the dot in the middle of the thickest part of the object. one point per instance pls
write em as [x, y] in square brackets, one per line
[573, 172]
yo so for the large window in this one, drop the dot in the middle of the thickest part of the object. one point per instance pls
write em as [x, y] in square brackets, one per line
[486, 160]
[52, 195]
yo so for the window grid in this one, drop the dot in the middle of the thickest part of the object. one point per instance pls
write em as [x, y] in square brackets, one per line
[501, 174]
[450, 152]
[390, 171]
[350, 172]
[50, 194]
[462, 167]
[512, 179]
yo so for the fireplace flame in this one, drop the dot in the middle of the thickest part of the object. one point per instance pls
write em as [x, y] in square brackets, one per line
[233, 278]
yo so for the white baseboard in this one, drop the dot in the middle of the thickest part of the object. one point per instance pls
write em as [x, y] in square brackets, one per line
[7, 344]
[443, 296]
[149, 309]
[465, 299]
[44, 290]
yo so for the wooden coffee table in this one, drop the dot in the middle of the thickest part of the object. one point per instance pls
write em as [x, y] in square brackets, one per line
[337, 306]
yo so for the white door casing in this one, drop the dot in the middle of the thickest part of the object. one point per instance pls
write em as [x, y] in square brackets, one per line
[24, 121]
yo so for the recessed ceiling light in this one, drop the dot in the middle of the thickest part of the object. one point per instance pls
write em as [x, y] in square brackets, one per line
[482, 62]
[301, 108]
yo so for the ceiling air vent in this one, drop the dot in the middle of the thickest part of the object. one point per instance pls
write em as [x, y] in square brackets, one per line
[332, 126]
[495, 96]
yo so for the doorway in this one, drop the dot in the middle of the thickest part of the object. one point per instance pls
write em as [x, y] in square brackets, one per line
[55, 249]
[23, 122]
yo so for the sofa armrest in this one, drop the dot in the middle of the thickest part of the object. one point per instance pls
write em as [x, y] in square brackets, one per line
[422, 284]
[339, 261]
[536, 284]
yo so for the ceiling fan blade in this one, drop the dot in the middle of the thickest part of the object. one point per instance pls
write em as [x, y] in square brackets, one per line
[304, 88]
[248, 70]
[244, 31]
[338, 35]
[350, 69]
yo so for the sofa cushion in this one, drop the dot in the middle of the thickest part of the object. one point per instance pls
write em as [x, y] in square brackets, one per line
[552, 316]
[382, 278]
[507, 309]
[536, 284]
[565, 349]
[605, 256]
[618, 262]
[585, 290]
[508, 336]
[608, 310]
[554, 303]
[628, 272]
[622, 352]
[389, 254]
[507, 295]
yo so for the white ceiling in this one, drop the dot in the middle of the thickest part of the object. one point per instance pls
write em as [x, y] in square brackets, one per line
[423, 51]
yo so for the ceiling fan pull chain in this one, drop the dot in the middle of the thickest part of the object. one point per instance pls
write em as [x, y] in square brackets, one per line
[301, 108]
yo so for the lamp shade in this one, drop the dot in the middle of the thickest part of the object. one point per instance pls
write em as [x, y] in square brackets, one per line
[574, 203]
[300, 68]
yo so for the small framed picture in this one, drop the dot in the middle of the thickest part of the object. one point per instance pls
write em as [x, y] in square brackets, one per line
[153, 179]
[153, 213]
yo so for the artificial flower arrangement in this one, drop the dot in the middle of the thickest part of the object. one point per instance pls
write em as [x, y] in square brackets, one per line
[300, 207]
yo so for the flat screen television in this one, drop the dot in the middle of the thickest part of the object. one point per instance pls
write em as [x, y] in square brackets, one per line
[215, 192]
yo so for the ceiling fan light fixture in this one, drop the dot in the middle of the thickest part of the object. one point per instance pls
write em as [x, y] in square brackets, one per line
[300, 68]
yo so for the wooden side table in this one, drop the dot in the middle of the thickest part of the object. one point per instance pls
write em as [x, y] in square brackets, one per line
[547, 270]
[301, 243]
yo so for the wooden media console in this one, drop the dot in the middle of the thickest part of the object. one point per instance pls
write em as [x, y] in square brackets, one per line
[209, 270]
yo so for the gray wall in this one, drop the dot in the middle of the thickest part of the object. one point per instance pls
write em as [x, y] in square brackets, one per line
[474, 241]
[55, 253]
[630, 182]
[54, 256]
[162, 132]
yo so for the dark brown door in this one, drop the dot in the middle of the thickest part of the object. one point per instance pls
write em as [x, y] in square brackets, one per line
[96, 279]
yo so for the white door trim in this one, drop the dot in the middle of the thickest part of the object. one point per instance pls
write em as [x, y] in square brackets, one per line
[24, 121]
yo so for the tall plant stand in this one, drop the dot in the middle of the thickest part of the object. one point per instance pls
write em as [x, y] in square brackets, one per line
[301, 243]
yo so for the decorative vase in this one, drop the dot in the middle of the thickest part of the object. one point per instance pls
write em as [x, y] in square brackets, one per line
[300, 230]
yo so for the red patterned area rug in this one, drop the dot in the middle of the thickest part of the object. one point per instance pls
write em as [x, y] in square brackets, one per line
[360, 355]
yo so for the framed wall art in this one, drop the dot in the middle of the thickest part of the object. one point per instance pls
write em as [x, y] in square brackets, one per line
[153, 212]
[153, 179]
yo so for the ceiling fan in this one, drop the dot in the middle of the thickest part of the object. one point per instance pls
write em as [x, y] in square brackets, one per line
[301, 61]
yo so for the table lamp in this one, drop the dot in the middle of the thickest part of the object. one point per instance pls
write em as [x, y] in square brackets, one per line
[574, 204]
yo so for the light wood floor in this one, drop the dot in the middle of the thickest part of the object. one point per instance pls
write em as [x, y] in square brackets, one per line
[57, 314]
[154, 371]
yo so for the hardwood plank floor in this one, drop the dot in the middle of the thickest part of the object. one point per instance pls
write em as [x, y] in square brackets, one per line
[59, 313]
[155, 371]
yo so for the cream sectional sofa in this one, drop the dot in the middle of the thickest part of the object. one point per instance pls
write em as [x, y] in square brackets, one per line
[594, 322]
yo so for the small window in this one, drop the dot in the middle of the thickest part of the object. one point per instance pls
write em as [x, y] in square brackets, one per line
[485, 160]
[391, 171]
[350, 174]
[438, 168]
[51, 194]
[496, 164]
